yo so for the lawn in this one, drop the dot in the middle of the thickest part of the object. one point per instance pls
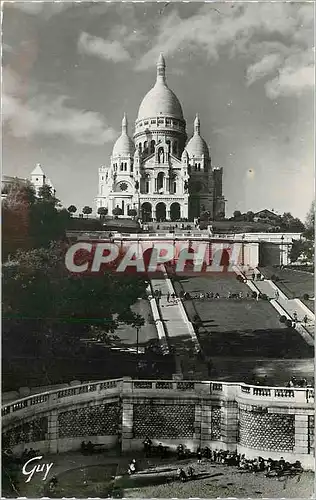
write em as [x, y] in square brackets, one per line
[293, 283]
[241, 336]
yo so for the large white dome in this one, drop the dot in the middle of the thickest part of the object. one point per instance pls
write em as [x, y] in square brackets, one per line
[160, 100]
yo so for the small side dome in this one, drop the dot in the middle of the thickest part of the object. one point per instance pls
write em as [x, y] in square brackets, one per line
[196, 145]
[124, 145]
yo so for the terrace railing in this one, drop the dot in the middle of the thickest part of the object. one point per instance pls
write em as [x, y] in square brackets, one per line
[225, 390]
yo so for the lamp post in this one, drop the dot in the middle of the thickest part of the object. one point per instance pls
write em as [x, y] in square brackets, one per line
[137, 343]
[282, 239]
[243, 250]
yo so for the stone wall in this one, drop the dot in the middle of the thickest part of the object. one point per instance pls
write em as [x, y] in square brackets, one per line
[266, 431]
[256, 421]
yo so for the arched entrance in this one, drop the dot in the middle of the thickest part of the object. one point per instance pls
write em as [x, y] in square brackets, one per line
[160, 212]
[175, 211]
[146, 212]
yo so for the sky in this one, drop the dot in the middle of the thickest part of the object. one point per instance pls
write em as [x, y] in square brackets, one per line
[70, 71]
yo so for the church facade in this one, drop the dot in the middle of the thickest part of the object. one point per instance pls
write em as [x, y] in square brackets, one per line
[158, 175]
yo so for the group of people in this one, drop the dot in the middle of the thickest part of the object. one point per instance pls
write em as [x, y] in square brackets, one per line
[232, 458]
[87, 448]
[294, 382]
[150, 450]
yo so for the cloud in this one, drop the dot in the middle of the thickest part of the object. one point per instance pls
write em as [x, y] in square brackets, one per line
[46, 8]
[105, 49]
[41, 116]
[264, 67]
[269, 34]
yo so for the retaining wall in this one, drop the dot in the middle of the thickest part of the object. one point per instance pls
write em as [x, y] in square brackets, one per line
[266, 421]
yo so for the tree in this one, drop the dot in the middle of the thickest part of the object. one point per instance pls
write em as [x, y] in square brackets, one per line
[132, 212]
[117, 211]
[249, 216]
[102, 211]
[45, 192]
[309, 232]
[47, 310]
[205, 215]
[237, 215]
[30, 221]
[72, 209]
[87, 210]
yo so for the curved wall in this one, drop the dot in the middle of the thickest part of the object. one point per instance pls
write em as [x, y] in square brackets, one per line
[265, 421]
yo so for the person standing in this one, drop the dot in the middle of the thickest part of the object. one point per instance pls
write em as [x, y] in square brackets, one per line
[168, 296]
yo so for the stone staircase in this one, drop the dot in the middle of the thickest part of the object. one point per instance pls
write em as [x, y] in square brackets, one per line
[285, 306]
[181, 337]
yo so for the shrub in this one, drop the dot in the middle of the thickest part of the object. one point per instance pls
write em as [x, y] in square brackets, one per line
[306, 296]
[254, 295]
[289, 323]
[282, 319]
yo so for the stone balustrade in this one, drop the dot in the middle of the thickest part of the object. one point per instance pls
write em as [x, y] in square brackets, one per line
[99, 389]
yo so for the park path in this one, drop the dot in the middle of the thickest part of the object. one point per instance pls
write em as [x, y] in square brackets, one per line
[180, 332]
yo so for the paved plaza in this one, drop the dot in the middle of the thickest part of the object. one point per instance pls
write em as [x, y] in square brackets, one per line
[91, 476]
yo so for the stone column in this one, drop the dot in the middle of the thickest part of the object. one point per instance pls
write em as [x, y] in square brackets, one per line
[301, 434]
[206, 424]
[197, 425]
[127, 424]
[52, 431]
[229, 423]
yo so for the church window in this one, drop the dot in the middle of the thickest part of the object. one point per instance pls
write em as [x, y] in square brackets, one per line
[152, 146]
[147, 187]
[145, 123]
[160, 120]
[36, 179]
[123, 186]
[153, 121]
[145, 146]
[140, 147]
[121, 166]
[174, 188]
[132, 169]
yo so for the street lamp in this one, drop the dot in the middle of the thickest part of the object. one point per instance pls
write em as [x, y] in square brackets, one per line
[282, 239]
[137, 349]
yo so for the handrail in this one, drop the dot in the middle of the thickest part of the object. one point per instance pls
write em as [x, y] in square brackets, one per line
[233, 389]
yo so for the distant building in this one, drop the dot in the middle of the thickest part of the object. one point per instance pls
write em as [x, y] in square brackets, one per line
[266, 215]
[37, 178]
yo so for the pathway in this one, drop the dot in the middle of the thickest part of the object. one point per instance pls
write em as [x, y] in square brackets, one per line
[180, 333]
[286, 306]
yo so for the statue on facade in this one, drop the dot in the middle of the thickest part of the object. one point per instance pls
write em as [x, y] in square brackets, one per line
[161, 156]
[136, 185]
[186, 186]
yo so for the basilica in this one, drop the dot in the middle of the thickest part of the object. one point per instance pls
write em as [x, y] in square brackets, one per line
[158, 175]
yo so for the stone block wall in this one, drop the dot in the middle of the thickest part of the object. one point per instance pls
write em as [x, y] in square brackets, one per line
[98, 420]
[157, 420]
[266, 431]
[26, 432]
